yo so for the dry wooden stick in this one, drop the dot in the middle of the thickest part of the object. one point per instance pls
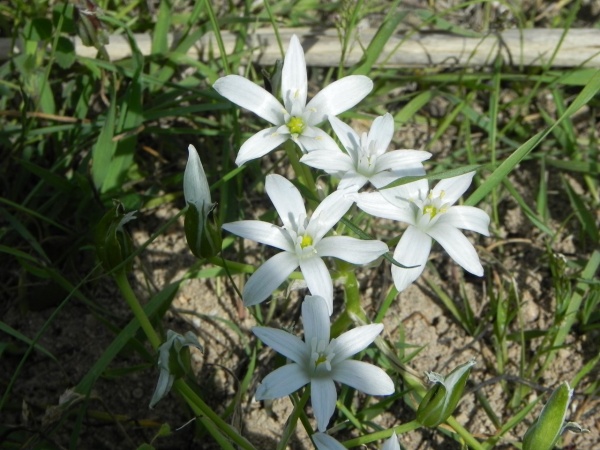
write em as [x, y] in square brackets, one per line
[531, 47]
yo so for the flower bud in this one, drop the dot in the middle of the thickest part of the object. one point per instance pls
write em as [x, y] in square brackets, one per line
[441, 399]
[203, 236]
[173, 361]
[113, 243]
[544, 433]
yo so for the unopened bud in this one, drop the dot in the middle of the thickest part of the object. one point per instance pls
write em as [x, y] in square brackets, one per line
[113, 243]
[203, 235]
[441, 399]
[546, 430]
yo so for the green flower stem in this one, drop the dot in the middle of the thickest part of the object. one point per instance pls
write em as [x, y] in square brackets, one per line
[353, 295]
[293, 419]
[136, 308]
[233, 266]
[302, 171]
[201, 408]
[464, 434]
[353, 310]
[196, 403]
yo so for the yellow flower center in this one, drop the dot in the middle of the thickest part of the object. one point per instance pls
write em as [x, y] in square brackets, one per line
[306, 241]
[431, 210]
[296, 125]
[320, 360]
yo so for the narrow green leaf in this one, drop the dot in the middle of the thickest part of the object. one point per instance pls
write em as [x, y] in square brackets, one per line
[414, 105]
[586, 94]
[586, 218]
[105, 147]
[17, 335]
[157, 303]
[375, 48]
[436, 19]
[65, 52]
[590, 168]
[21, 229]
[38, 29]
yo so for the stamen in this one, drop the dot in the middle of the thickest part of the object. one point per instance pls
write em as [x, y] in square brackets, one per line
[306, 241]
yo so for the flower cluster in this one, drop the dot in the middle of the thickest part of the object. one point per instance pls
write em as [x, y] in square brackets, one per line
[364, 170]
[429, 214]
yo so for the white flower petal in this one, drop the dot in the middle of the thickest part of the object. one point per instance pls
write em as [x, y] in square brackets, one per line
[251, 96]
[382, 179]
[347, 136]
[165, 382]
[325, 442]
[381, 132]
[364, 377]
[352, 181]
[315, 318]
[400, 159]
[287, 200]
[287, 344]
[458, 247]
[282, 382]
[412, 250]
[353, 341]
[262, 232]
[338, 97]
[293, 75]
[404, 193]
[355, 251]
[327, 160]
[323, 398]
[454, 187]
[328, 213]
[377, 205]
[318, 279]
[260, 144]
[313, 139]
[467, 218]
[391, 443]
[269, 277]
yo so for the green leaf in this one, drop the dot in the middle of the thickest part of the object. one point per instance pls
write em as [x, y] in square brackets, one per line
[38, 29]
[583, 213]
[157, 303]
[376, 46]
[415, 105]
[105, 147]
[66, 14]
[586, 94]
[65, 52]
[17, 335]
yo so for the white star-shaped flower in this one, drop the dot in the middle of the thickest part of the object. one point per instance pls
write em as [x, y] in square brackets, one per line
[303, 242]
[366, 159]
[430, 214]
[295, 119]
[320, 361]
